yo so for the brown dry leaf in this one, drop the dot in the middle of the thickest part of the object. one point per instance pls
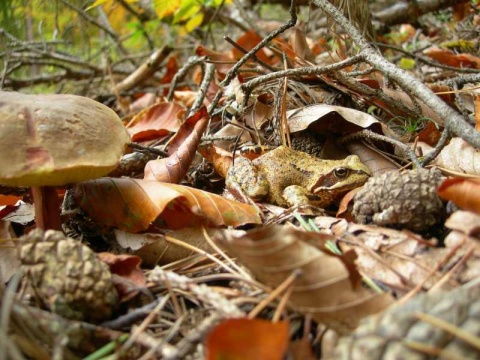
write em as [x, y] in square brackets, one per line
[236, 339]
[430, 134]
[223, 61]
[133, 205]
[130, 277]
[158, 249]
[459, 156]
[448, 57]
[9, 262]
[326, 287]
[299, 44]
[221, 159]
[181, 150]
[328, 119]
[171, 69]
[248, 41]
[463, 192]
[464, 237]
[392, 257]
[477, 112]
[156, 121]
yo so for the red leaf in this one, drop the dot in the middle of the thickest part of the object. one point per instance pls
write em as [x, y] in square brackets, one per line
[132, 205]
[182, 150]
[463, 192]
[156, 121]
[127, 267]
[237, 339]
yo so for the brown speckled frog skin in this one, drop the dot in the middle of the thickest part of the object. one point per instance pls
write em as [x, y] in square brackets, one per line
[287, 177]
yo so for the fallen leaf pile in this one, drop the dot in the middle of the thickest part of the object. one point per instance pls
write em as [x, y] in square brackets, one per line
[161, 254]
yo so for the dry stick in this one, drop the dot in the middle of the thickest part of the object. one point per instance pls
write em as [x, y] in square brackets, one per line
[208, 75]
[456, 123]
[368, 134]
[428, 61]
[254, 57]
[145, 71]
[305, 71]
[191, 62]
[233, 71]
[285, 285]
[442, 142]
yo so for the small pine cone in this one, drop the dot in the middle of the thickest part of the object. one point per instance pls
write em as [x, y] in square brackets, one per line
[407, 199]
[67, 276]
[399, 333]
[311, 143]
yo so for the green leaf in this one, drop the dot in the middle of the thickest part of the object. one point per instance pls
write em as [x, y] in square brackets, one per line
[188, 9]
[406, 63]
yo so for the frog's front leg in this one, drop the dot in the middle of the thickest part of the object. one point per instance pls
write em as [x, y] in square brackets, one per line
[246, 175]
[296, 195]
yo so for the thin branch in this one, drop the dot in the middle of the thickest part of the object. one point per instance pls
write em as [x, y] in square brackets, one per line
[456, 123]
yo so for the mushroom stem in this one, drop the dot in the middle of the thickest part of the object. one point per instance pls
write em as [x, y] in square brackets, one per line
[47, 208]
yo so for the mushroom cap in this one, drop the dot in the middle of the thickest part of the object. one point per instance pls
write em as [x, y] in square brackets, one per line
[52, 140]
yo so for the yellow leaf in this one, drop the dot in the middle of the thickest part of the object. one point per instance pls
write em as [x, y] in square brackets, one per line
[165, 8]
[96, 3]
[194, 22]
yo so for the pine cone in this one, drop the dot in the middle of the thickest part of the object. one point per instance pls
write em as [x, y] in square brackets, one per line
[398, 332]
[311, 143]
[67, 276]
[407, 199]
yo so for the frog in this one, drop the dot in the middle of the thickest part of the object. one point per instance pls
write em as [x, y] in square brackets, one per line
[288, 177]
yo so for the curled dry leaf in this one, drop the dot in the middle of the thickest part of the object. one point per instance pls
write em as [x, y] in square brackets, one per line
[221, 159]
[129, 276]
[326, 287]
[161, 249]
[459, 156]
[463, 192]
[156, 121]
[133, 205]
[329, 119]
[181, 150]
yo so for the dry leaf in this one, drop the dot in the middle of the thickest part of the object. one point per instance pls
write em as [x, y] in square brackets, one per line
[130, 277]
[181, 150]
[327, 287]
[237, 339]
[459, 156]
[156, 121]
[463, 192]
[158, 249]
[133, 205]
[448, 57]
[330, 119]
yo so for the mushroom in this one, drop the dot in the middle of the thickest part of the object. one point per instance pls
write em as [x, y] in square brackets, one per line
[54, 140]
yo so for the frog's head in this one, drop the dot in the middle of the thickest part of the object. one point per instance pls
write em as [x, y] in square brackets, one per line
[346, 174]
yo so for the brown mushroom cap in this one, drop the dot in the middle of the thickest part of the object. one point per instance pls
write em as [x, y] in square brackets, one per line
[53, 140]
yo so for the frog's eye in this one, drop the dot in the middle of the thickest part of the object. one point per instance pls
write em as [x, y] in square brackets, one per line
[340, 172]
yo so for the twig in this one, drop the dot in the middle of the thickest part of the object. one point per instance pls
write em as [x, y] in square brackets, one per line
[191, 62]
[208, 75]
[368, 134]
[453, 121]
[442, 142]
[233, 71]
